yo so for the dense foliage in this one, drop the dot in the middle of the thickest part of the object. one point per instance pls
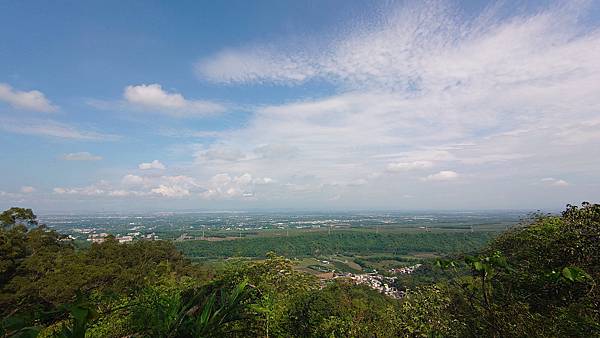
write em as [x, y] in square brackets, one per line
[536, 280]
[315, 244]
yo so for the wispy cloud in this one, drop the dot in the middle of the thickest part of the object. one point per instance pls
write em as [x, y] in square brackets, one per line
[555, 182]
[403, 166]
[424, 79]
[422, 46]
[256, 65]
[422, 96]
[81, 156]
[424, 86]
[50, 128]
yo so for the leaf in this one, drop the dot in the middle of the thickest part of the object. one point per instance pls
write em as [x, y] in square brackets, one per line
[575, 274]
[499, 261]
[567, 274]
[79, 313]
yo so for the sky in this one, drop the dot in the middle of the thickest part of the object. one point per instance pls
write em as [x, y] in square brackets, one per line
[312, 105]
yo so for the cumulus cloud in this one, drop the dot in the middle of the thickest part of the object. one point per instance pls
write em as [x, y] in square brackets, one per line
[132, 180]
[139, 186]
[156, 164]
[153, 97]
[444, 175]
[226, 186]
[33, 100]
[81, 156]
[174, 186]
[171, 191]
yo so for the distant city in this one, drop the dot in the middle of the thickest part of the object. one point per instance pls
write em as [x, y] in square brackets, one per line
[201, 225]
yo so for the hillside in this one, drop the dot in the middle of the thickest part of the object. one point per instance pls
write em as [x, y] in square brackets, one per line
[341, 241]
[537, 279]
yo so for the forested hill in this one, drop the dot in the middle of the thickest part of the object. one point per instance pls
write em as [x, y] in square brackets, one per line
[536, 280]
[339, 241]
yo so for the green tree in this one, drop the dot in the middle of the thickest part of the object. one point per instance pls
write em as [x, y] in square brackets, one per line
[538, 279]
[15, 216]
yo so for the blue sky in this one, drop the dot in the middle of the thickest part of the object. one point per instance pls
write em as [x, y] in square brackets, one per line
[148, 105]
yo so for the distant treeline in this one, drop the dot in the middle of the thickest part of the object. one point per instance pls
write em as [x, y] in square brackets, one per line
[312, 244]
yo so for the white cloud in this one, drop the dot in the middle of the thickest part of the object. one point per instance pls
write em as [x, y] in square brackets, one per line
[12, 197]
[561, 183]
[219, 152]
[27, 189]
[444, 175]
[263, 180]
[139, 186]
[554, 182]
[120, 193]
[404, 166]
[81, 156]
[178, 186]
[152, 97]
[49, 128]
[254, 65]
[171, 191]
[32, 100]
[98, 189]
[422, 46]
[276, 151]
[358, 182]
[225, 186]
[423, 86]
[189, 133]
[156, 164]
[132, 180]
[60, 190]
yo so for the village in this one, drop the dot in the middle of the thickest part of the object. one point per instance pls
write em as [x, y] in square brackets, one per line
[374, 280]
[128, 238]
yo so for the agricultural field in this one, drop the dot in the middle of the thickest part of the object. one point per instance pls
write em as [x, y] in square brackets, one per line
[347, 242]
